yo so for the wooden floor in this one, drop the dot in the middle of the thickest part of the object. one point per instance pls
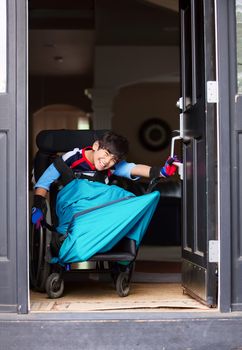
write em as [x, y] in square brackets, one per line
[156, 285]
[156, 290]
[101, 296]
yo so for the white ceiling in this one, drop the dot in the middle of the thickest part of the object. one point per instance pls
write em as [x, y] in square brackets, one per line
[61, 52]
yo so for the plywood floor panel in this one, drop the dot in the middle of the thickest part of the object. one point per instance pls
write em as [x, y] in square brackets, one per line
[101, 296]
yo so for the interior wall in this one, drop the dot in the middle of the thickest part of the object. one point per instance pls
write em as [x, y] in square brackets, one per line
[48, 90]
[45, 93]
[137, 103]
[121, 65]
[55, 117]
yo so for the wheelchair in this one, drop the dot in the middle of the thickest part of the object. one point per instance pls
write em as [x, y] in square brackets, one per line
[49, 277]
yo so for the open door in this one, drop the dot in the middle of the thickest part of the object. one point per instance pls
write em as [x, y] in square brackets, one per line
[199, 149]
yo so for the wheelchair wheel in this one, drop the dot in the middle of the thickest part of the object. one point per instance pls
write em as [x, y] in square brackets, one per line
[114, 272]
[123, 284]
[39, 267]
[39, 250]
[54, 286]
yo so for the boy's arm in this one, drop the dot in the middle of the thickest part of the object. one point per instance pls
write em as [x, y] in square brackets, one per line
[135, 171]
[43, 184]
[41, 192]
[140, 170]
[51, 173]
[39, 207]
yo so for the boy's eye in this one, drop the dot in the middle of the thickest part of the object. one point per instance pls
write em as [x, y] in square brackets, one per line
[112, 157]
[107, 154]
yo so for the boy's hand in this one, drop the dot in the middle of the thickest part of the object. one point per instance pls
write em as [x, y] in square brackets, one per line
[37, 217]
[169, 168]
[39, 210]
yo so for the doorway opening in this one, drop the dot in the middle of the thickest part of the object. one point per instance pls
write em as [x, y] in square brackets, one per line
[118, 64]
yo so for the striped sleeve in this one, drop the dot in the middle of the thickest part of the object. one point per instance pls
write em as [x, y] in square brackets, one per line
[72, 156]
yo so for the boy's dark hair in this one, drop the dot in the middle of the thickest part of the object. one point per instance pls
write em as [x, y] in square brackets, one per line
[115, 144]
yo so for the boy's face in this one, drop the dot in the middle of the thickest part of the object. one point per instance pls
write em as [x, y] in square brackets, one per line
[102, 159]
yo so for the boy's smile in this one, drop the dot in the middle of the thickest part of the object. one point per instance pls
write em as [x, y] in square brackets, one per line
[103, 160]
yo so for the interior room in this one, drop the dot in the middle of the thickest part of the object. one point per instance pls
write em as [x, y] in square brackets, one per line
[114, 65]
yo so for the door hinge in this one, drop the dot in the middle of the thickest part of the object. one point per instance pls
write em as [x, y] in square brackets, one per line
[212, 91]
[213, 251]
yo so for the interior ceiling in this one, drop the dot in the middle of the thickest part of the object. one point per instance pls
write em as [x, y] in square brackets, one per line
[63, 33]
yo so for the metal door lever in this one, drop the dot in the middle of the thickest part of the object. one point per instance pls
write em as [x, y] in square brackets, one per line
[178, 137]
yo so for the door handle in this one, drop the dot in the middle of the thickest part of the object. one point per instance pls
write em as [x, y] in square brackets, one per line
[179, 103]
[178, 137]
[178, 164]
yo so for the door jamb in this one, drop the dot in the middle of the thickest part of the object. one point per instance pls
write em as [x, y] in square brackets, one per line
[22, 157]
[223, 139]
[223, 111]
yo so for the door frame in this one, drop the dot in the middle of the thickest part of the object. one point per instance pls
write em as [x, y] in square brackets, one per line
[223, 141]
[22, 168]
[223, 54]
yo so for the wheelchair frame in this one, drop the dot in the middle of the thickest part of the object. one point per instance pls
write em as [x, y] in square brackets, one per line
[48, 277]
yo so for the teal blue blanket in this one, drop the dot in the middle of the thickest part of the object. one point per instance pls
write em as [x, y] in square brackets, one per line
[95, 217]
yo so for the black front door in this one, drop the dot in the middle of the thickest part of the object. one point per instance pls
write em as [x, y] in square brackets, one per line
[198, 108]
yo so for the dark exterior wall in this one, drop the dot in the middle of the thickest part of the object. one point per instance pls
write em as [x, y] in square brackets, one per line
[229, 141]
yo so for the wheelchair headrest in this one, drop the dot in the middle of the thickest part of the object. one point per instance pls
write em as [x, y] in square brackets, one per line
[55, 141]
[51, 142]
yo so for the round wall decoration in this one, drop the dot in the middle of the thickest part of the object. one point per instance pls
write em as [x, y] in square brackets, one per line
[154, 134]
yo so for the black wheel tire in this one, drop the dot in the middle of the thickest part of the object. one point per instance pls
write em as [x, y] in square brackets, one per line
[131, 269]
[123, 284]
[39, 268]
[114, 272]
[114, 277]
[54, 286]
